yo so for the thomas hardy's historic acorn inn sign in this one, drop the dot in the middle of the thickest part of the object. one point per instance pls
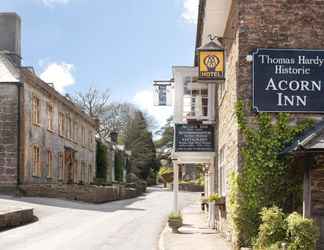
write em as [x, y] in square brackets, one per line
[288, 80]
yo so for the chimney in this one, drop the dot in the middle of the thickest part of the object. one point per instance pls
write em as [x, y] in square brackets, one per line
[10, 36]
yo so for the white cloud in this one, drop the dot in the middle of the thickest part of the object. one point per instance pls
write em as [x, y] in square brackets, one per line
[61, 74]
[52, 3]
[144, 100]
[190, 11]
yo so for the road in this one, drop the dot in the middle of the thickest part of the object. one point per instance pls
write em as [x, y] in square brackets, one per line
[133, 224]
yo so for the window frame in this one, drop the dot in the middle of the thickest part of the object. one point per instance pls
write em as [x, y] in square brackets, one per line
[49, 164]
[36, 161]
[36, 109]
[50, 117]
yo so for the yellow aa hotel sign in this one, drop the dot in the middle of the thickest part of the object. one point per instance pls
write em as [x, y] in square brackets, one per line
[211, 65]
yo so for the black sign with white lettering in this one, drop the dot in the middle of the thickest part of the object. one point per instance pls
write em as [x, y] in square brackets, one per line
[194, 138]
[288, 80]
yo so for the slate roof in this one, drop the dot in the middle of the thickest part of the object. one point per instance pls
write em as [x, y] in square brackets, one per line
[305, 141]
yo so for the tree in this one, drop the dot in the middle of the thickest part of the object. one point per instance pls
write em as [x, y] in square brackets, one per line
[138, 139]
[165, 143]
[113, 117]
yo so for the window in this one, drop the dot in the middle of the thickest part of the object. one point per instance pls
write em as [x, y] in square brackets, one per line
[90, 139]
[83, 136]
[222, 172]
[90, 174]
[83, 169]
[36, 161]
[195, 100]
[49, 164]
[60, 166]
[61, 123]
[74, 131]
[36, 111]
[68, 127]
[50, 113]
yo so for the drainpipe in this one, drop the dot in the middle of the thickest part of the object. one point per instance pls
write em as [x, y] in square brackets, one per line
[19, 134]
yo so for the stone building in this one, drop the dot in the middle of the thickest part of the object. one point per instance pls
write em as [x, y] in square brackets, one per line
[244, 26]
[44, 137]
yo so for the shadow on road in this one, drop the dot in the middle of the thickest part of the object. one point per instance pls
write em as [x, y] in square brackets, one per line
[104, 207]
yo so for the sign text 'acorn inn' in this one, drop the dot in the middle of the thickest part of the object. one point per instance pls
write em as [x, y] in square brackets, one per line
[288, 80]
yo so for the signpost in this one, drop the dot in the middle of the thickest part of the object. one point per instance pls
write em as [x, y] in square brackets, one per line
[194, 138]
[288, 80]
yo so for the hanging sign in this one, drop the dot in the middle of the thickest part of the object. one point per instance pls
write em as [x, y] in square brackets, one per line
[211, 62]
[162, 94]
[211, 65]
[288, 80]
[194, 138]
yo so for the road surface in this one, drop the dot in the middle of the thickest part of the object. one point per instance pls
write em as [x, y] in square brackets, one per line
[133, 224]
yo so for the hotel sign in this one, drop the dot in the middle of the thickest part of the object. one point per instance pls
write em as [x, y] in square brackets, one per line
[288, 80]
[211, 65]
[194, 138]
[211, 62]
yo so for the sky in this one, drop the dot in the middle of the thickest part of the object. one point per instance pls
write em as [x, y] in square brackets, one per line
[118, 45]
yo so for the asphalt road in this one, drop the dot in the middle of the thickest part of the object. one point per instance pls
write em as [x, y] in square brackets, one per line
[133, 224]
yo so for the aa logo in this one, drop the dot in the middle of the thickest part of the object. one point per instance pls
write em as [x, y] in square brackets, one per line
[211, 62]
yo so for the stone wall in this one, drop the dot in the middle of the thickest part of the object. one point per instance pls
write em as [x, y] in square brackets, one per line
[8, 134]
[259, 24]
[227, 99]
[86, 193]
[51, 140]
[317, 185]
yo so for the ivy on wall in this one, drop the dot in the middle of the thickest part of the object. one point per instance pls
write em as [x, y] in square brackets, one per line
[119, 165]
[101, 160]
[266, 178]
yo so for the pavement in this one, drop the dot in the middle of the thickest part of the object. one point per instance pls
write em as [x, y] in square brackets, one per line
[133, 224]
[194, 235]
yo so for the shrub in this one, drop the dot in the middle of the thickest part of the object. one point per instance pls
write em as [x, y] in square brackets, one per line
[302, 233]
[273, 229]
[299, 233]
[175, 216]
[214, 197]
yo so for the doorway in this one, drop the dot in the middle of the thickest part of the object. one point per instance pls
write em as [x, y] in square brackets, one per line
[69, 164]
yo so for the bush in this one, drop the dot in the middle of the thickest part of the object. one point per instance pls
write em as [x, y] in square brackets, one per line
[302, 233]
[272, 230]
[214, 197]
[299, 233]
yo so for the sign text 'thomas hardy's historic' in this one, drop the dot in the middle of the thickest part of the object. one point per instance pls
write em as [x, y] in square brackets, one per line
[288, 80]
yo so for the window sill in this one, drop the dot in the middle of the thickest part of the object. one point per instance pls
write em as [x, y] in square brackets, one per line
[51, 131]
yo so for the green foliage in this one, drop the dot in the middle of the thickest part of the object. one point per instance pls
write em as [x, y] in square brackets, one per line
[119, 165]
[273, 229]
[167, 134]
[214, 198]
[138, 139]
[302, 233]
[175, 216]
[297, 232]
[266, 179]
[101, 160]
